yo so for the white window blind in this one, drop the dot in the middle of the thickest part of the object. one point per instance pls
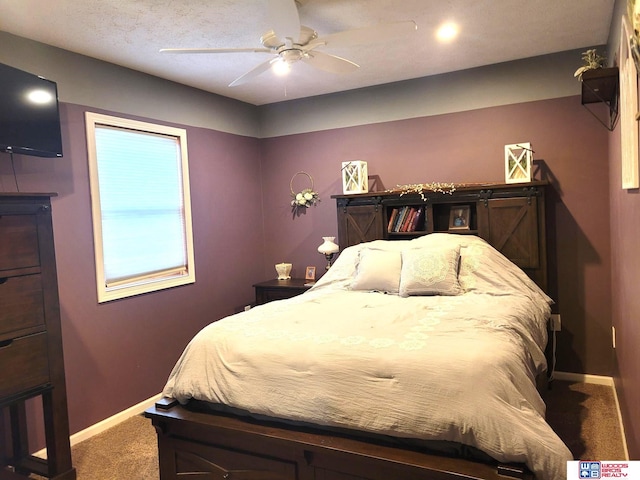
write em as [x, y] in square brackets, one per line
[140, 201]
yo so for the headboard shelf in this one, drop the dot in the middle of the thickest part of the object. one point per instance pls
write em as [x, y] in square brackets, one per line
[511, 217]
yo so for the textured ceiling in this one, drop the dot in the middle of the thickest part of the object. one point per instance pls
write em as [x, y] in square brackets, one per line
[131, 33]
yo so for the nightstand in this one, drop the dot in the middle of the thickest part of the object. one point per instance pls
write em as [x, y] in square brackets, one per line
[279, 289]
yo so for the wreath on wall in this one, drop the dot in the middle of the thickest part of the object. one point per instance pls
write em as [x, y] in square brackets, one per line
[305, 198]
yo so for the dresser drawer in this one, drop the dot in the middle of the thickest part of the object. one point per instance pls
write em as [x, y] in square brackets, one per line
[18, 242]
[21, 303]
[24, 364]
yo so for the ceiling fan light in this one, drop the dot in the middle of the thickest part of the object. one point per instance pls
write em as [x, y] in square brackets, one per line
[281, 67]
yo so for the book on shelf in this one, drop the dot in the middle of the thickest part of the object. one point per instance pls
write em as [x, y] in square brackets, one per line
[415, 217]
[392, 220]
[396, 219]
[401, 218]
[405, 219]
[408, 221]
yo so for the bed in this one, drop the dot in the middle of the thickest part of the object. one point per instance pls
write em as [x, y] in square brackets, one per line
[407, 359]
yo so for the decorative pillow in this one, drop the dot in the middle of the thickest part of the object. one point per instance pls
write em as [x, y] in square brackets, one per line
[430, 271]
[378, 270]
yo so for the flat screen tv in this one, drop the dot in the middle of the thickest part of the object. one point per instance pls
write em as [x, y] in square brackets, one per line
[29, 115]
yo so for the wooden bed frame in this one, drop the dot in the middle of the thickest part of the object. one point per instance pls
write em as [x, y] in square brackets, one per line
[200, 446]
[197, 445]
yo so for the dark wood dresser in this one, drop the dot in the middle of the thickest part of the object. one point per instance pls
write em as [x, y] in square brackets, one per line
[31, 360]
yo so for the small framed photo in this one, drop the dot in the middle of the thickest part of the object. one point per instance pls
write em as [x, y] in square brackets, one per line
[310, 274]
[460, 217]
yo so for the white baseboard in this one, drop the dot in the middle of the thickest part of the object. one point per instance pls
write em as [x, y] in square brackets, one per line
[598, 380]
[107, 423]
[583, 378]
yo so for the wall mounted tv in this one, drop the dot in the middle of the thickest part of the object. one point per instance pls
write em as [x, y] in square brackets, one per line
[29, 116]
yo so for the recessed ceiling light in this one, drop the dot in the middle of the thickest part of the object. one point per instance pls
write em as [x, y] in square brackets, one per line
[447, 32]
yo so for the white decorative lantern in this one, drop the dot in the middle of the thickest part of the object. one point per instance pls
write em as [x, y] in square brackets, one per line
[517, 163]
[355, 178]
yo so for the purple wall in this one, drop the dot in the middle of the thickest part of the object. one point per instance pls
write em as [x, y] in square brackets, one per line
[625, 231]
[468, 147]
[120, 353]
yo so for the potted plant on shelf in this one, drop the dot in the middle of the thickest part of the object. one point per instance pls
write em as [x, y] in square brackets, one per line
[600, 84]
[592, 61]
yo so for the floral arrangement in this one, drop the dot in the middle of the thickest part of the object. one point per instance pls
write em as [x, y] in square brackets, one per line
[420, 188]
[305, 198]
[591, 60]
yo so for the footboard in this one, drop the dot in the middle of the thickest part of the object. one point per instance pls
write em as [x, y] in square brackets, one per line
[214, 446]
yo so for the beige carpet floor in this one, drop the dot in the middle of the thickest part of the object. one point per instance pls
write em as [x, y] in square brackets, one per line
[583, 415]
[128, 451]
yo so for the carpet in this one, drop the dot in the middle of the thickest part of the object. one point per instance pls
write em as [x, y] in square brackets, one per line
[585, 417]
[128, 451]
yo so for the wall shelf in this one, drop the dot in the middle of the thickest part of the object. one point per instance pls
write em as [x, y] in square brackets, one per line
[602, 85]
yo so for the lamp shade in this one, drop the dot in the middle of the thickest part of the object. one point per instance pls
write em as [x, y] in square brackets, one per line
[328, 246]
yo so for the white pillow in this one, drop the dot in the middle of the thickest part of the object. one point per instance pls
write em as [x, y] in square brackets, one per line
[430, 271]
[378, 270]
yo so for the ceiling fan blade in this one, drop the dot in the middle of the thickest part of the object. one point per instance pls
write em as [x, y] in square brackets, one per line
[253, 73]
[330, 63]
[367, 35]
[214, 50]
[284, 19]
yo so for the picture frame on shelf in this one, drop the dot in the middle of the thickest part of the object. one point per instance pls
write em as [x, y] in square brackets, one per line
[310, 274]
[459, 218]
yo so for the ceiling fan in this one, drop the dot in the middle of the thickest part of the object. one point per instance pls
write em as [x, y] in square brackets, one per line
[289, 42]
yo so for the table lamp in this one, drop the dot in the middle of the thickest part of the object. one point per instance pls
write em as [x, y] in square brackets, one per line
[328, 249]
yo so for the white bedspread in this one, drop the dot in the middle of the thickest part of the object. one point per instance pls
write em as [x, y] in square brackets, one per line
[458, 368]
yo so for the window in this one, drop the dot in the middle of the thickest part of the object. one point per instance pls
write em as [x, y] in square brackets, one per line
[139, 178]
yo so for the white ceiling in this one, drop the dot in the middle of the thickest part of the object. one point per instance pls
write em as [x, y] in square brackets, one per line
[131, 32]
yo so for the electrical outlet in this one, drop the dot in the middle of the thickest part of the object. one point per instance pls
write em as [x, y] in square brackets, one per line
[613, 336]
[556, 323]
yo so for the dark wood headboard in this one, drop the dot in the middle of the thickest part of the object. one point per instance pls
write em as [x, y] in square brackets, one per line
[511, 217]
